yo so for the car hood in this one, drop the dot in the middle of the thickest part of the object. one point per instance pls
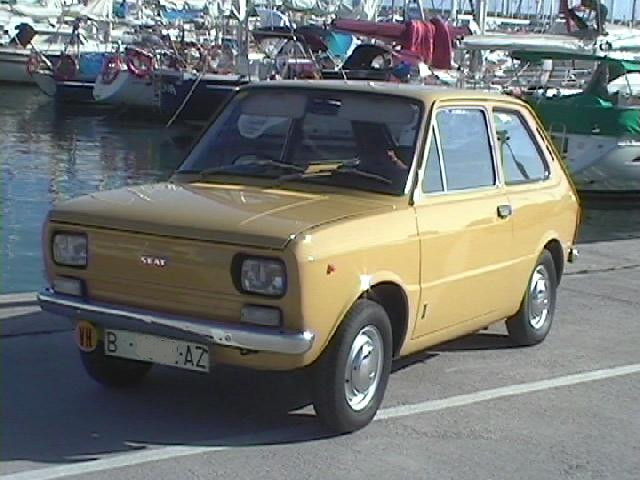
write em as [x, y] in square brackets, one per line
[232, 214]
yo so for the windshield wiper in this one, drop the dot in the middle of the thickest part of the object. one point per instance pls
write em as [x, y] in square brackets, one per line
[222, 169]
[330, 170]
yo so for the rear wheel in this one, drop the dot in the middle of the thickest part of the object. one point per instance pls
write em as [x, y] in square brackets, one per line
[351, 375]
[531, 324]
[113, 372]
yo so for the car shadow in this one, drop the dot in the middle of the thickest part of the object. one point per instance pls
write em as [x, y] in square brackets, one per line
[62, 416]
[477, 341]
[412, 360]
[54, 413]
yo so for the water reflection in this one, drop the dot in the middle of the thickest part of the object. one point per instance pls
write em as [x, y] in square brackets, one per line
[48, 154]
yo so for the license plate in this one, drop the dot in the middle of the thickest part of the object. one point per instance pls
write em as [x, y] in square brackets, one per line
[166, 351]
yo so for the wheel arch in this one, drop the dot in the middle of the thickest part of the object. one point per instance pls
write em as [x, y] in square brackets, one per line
[557, 254]
[393, 298]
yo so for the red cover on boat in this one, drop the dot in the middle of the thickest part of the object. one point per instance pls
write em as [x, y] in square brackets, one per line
[418, 37]
[382, 31]
[442, 45]
[432, 41]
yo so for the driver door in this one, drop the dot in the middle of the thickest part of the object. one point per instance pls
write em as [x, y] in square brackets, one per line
[464, 224]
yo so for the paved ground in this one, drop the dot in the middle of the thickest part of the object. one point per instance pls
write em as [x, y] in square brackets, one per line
[475, 408]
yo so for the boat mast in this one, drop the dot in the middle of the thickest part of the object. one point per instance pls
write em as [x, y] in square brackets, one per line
[453, 14]
[480, 15]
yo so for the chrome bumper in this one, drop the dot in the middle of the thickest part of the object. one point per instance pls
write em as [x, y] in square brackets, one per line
[246, 337]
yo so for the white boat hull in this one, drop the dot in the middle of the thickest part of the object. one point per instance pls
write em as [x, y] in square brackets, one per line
[13, 66]
[603, 164]
[126, 90]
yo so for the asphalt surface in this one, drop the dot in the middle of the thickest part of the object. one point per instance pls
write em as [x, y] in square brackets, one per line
[475, 408]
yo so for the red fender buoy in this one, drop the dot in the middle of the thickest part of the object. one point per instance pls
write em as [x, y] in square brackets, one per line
[111, 69]
[66, 69]
[33, 63]
[139, 62]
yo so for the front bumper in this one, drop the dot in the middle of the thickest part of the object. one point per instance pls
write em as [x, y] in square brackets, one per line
[244, 337]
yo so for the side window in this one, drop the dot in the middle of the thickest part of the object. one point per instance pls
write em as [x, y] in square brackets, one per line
[466, 151]
[432, 180]
[522, 160]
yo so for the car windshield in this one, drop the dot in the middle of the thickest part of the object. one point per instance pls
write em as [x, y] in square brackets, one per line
[344, 139]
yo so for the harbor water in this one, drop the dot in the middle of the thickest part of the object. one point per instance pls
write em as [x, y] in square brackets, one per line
[48, 154]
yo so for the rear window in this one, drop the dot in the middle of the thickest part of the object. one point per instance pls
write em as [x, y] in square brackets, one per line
[522, 160]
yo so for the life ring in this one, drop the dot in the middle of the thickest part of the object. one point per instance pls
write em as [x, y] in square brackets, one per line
[139, 62]
[66, 68]
[111, 69]
[33, 63]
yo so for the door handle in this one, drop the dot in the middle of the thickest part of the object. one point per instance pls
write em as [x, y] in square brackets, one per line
[504, 211]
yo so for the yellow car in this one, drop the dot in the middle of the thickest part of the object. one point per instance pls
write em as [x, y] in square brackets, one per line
[330, 226]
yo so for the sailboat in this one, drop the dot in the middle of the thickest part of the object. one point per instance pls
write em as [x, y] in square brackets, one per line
[597, 128]
[126, 79]
[72, 76]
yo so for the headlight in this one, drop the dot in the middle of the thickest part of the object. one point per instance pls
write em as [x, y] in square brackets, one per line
[263, 276]
[70, 249]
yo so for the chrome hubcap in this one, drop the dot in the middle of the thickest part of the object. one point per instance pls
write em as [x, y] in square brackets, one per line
[362, 372]
[539, 297]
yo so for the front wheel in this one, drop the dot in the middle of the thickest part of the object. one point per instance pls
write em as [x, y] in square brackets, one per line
[113, 372]
[351, 375]
[531, 324]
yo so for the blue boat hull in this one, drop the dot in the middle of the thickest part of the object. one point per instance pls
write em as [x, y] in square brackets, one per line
[199, 103]
[78, 89]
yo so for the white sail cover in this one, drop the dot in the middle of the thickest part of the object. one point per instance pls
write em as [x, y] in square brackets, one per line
[95, 9]
[530, 42]
[37, 11]
[272, 18]
[623, 39]
[98, 9]
[604, 47]
[359, 9]
[351, 9]
[235, 8]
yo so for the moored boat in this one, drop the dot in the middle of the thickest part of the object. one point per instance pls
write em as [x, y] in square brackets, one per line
[125, 80]
[598, 129]
[194, 96]
[597, 126]
[72, 78]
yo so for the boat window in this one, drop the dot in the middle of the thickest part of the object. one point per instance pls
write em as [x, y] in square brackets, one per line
[330, 137]
[432, 180]
[522, 160]
[466, 151]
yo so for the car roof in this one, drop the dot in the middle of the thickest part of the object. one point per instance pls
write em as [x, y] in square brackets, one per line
[425, 93]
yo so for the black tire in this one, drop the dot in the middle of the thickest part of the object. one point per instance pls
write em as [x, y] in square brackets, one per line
[113, 372]
[329, 373]
[526, 327]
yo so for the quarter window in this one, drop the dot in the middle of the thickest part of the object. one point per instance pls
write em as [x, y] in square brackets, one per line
[432, 181]
[466, 151]
[522, 161]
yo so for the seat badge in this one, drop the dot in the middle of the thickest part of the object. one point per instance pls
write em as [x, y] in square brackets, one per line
[152, 261]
